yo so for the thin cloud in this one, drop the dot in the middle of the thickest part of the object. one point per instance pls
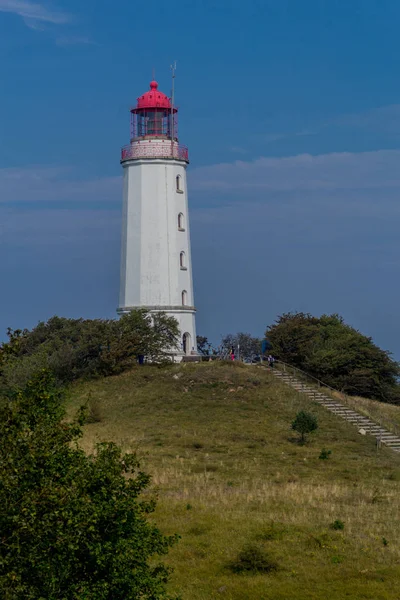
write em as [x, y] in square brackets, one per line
[40, 228]
[33, 13]
[56, 184]
[273, 137]
[73, 40]
[304, 172]
[381, 120]
[384, 119]
[238, 150]
[335, 171]
[268, 138]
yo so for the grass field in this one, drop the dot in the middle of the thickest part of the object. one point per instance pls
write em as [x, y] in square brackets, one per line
[230, 473]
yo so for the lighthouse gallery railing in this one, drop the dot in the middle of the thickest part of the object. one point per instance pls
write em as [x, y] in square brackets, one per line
[154, 149]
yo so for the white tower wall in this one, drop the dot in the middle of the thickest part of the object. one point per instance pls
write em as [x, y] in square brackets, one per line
[155, 232]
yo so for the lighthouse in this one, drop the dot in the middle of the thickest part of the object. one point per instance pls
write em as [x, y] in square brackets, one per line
[156, 266]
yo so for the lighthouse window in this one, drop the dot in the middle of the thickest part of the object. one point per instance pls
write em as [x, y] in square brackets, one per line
[179, 184]
[184, 298]
[181, 222]
[182, 261]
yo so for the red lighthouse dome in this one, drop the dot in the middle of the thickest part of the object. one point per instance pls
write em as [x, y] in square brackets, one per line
[153, 98]
[154, 116]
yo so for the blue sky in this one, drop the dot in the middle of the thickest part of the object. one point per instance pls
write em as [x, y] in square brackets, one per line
[291, 111]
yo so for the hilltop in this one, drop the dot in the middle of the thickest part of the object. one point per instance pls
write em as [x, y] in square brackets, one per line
[229, 472]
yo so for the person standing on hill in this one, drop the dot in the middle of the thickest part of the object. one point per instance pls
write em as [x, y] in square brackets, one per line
[271, 361]
[232, 353]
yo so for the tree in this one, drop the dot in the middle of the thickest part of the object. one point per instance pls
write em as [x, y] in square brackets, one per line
[76, 348]
[337, 354]
[249, 346]
[203, 345]
[73, 526]
[304, 423]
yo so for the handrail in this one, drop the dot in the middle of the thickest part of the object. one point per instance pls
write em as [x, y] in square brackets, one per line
[309, 376]
[383, 420]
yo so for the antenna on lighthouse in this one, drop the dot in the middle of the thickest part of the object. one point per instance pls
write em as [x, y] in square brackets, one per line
[173, 69]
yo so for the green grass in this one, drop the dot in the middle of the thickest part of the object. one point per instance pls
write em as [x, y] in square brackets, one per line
[230, 475]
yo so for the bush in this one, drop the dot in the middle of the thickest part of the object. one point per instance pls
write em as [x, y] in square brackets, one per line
[325, 454]
[197, 445]
[335, 353]
[72, 526]
[338, 525]
[78, 348]
[93, 410]
[253, 559]
[304, 423]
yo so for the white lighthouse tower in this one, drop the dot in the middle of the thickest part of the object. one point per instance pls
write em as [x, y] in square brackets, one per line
[156, 267]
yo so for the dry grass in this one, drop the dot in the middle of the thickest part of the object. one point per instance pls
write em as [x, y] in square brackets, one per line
[229, 473]
[387, 414]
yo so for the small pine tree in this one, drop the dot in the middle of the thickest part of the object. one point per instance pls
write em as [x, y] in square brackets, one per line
[304, 423]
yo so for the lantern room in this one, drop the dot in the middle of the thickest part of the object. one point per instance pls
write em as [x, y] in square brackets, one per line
[154, 116]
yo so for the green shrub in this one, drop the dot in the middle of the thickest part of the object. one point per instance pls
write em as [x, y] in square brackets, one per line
[197, 445]
[337, 354]
[253, 559]
[304, 423]
[93, 410]
[325, 454]
[338, 525]
[78, 348]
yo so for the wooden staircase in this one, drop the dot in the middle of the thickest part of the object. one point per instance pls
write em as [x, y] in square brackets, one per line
[363, 423]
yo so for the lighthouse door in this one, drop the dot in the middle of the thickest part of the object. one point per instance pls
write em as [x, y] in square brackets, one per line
[186, 343]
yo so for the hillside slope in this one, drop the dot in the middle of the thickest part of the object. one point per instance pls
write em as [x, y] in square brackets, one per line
[229, 472]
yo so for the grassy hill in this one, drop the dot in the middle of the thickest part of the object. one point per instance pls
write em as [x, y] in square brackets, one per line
[229, 473]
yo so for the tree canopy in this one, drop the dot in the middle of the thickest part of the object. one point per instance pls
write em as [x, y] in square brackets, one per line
[203, 345]
[337, 354]
[76, 348]
[73, 527]
[249, 346]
